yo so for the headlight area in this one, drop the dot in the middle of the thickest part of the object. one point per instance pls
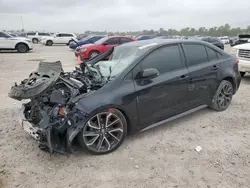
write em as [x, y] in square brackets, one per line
[83, 49]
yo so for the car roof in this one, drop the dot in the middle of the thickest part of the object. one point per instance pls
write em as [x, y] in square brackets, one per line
[118, 36]
[159, 42]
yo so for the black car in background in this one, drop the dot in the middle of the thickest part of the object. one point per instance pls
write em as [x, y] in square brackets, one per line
[213, 40]
[241, 39]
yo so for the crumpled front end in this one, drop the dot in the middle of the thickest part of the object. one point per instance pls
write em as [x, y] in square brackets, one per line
[54, 128]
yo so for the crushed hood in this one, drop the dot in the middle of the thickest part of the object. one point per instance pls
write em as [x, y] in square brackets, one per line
[38, 81]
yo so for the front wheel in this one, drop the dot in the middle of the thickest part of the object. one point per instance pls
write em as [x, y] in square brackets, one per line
[22, 48]
[92, 54]
[104, 132]
[49, 43]
[223, 96]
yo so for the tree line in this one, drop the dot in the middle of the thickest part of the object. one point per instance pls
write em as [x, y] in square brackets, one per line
[224, 30]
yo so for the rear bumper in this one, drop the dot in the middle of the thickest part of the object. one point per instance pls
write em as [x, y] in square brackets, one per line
[244, 65]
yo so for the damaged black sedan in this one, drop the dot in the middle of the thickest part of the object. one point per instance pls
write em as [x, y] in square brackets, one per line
[142, 85]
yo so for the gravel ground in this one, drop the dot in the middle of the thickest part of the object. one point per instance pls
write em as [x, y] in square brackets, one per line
[161, 157]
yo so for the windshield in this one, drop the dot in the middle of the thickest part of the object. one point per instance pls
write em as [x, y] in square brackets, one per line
[100, 41]
[121, 58]
[7, 35]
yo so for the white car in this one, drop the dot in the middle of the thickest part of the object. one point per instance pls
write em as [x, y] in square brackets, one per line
[21, 44]
[225, 40]
[243, 54]
[36, 36]
[59, 38]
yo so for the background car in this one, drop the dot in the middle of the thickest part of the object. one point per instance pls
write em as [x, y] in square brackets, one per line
[7, 42]
[59, 38]
[213, 40]
[241, 39]
[36, 36]
[225, 39]
[243, 54]
[86, 40]
[92, 50]
[144, 37]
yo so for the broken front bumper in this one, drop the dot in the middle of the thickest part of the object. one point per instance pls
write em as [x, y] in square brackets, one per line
[50, 139]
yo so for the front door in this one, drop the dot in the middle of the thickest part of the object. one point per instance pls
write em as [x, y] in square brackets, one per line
[111, 43]
[165, 95]
[6, 42]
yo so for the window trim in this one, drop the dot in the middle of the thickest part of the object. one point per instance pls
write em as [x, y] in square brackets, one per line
[185, 53]
[111, 39]
[212, 50]
[153, 50]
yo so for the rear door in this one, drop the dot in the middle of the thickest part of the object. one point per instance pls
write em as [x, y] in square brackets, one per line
[203, 73]
[165, 95]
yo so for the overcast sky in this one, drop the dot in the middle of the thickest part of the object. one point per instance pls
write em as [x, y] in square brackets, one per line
[121, 15]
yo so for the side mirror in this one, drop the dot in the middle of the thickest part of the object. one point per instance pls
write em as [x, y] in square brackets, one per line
[150, 73]
[105, 43]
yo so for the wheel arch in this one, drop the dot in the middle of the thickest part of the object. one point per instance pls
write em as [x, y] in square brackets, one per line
[232, 81]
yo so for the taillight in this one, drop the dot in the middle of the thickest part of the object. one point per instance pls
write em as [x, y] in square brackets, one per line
[237, 62]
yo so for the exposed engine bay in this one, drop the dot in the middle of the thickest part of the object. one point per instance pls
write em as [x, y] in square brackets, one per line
[49, 116]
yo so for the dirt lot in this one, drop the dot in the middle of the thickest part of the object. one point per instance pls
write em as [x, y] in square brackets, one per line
[161, 157]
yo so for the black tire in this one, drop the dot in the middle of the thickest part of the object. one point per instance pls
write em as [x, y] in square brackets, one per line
[69, 42]
[35, 40]
[22, 48]
[223, 96]
[49, 43]
[242, 74]
[94, 143]
[92, 54]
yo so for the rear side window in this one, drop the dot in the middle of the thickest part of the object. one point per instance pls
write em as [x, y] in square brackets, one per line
[212, 55]
[66, 35]
[31, 33]
[195, 54]
[164, 59]
[43, 34]
[125, 40]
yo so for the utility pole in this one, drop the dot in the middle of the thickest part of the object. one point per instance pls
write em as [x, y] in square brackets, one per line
[22, 23]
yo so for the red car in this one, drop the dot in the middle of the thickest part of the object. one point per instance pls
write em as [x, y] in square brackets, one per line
[91, 50]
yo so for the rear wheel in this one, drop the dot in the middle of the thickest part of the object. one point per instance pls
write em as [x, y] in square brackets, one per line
[35, 40]
[104, 132]
[223, 96]
[49, 43]
[242, 74]
[22, 48]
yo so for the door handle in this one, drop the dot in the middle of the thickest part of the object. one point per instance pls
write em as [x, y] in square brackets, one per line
[184, 77]
[215, 67]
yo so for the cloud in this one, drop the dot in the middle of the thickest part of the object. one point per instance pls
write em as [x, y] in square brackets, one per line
[121, 15]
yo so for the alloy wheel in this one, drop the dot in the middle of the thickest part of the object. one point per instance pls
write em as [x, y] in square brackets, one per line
[103, 132]
[225, 96]
[93, 54]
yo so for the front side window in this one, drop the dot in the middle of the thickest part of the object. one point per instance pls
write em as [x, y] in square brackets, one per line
[4, 35]
[112, 41]
[195, 54]
[125, 40]
[164, 59]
